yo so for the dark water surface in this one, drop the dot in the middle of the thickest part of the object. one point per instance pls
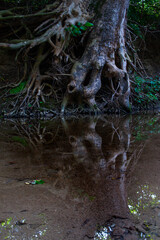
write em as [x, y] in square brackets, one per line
[101, 178]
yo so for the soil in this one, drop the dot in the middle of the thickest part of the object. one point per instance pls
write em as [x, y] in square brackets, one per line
[88, 170]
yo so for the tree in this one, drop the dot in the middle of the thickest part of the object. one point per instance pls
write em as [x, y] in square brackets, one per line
[105, 50]
[53, 33]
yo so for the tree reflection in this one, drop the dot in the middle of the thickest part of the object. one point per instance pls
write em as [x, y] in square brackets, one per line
[101, 151]
[86, 164]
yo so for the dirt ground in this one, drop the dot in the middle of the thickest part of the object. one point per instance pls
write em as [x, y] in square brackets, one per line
[81, 193]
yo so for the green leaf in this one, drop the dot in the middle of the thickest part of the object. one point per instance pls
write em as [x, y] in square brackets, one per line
[18, 89]
[77, 31]
[79, 24]
[88, 24]
[3, 224]
[29, 105]
[33, 182]
[39, 181]
[19, 140]
[73, 34]
[83, 28]
[75, 27]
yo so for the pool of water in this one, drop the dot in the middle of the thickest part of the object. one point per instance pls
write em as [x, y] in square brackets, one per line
[100, 178]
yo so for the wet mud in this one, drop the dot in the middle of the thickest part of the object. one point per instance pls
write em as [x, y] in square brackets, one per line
[101, 178]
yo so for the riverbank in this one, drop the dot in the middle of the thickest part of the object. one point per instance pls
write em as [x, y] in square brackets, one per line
[100, 178]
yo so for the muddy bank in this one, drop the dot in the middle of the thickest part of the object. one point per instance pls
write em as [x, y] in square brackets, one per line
[75, 112]
[92, 168]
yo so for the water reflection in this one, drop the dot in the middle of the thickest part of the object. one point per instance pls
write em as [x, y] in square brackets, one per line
[86, 165]
[144, 196]
[10, 228]
[145, 199]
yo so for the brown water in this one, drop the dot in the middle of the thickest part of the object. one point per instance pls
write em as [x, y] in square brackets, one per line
[101, 179]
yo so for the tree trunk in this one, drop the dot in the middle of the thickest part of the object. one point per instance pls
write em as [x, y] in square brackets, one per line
[105, 51]
[103, 60]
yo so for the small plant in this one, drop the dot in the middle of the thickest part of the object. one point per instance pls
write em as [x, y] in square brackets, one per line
[20, 140]
[146, 128]
[18, 89]
[146, 90]
[143, 15]
[76, 30]
[136, 29]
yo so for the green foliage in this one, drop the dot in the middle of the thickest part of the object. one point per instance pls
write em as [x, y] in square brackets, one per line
[146, 90]
[11, 228]
[18, 89]
[19, 140]
[39, 181]
[7, 222]
[76, 30]
[144, 14]
[136, 29]
[144, 200]
[146, 127]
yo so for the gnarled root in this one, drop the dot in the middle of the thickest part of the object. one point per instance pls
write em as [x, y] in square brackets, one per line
[105, 51]
[35, 86]
[122, 83]
[86, 79]
[49, 32]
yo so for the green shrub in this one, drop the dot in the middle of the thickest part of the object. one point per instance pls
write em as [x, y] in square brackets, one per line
[144, 15]
[146, 90]
[76, 30]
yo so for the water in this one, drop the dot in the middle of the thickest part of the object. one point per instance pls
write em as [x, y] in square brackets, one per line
[101, 178]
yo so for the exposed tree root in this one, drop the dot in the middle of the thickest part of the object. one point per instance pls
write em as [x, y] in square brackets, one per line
[103, 61]
[52, 31]
[34, 84]
[101, 55]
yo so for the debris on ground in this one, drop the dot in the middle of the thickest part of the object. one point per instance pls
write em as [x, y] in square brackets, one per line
[33, 182]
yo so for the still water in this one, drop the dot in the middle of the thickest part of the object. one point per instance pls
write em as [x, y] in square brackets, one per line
[100, 178]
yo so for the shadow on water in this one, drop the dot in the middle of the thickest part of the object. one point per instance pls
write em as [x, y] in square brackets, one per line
[96, 179]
